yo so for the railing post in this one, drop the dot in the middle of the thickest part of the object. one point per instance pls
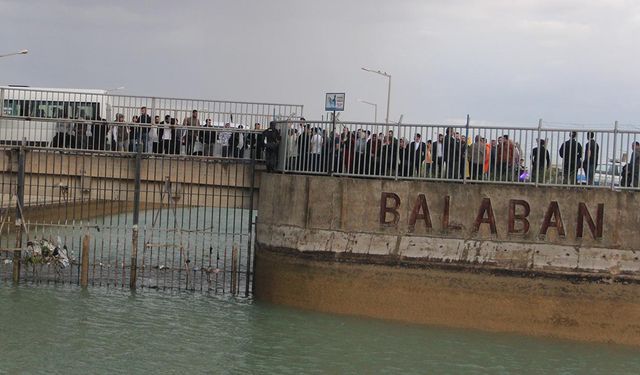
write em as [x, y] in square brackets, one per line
[234, 270]
[333, 145]
[615, 149]
[283, 151]
[464, 161]
[537, 170]
[84, 270]
[17, 254]
[250, 253]
[397, 151]
[2, 102]
[136, 218]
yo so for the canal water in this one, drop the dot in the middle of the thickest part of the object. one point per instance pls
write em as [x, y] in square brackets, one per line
[62, 329]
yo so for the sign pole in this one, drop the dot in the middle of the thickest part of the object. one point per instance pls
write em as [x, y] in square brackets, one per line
[334, 102]
[333, 143]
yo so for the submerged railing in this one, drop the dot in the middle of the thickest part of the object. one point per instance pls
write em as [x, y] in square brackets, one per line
[537, 156]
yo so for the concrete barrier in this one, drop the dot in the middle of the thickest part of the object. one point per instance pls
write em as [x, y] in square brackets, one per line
[566, 258]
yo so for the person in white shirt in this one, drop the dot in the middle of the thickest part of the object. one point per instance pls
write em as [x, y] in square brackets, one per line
[152, 137]
[166, 135]
[292, 149]
[316, 149]
[224, 138]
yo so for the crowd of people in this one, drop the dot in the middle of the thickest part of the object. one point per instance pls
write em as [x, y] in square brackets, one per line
[312, 149]
[450, 156]
[161, 136]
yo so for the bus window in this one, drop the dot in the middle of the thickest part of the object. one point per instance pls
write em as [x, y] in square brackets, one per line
[51, 109]
[87, 111]
[37, 108]
[13, 107]
[56, 109]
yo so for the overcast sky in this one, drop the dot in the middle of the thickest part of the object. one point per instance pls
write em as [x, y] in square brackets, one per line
[499, 61]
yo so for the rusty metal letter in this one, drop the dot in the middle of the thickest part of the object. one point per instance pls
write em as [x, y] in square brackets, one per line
[420, 204]
[445, 216]
[521, 217]
[595, 228]
[485, 207]
[553, 210]
[384, 209]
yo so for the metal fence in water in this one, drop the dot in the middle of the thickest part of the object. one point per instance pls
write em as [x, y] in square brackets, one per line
[539, 155]
[148, 192]
[130, 217]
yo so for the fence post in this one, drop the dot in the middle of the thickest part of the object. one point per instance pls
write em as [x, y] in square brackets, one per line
[136, 218]
[466, 136]
[250, 231]
[234, 270]
[615, 149]
[538, 144]
[334, 154]
[283, 150]
[2, 101]
[84, 270]
[17, 254]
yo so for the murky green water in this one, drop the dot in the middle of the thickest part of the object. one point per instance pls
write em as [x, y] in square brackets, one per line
[47, 329]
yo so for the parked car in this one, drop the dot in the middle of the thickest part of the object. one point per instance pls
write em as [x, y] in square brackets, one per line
[606, 173]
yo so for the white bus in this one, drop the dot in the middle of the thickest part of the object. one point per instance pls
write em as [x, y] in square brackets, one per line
[24, 110]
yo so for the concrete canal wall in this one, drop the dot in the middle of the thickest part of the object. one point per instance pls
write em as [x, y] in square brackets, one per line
[60, 177]
[560, 262]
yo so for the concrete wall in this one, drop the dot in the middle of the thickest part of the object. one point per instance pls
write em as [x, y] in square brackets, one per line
[342, 215]
[332, 244]
[59, 177]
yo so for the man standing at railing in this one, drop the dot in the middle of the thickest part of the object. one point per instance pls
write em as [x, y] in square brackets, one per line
[418, 155]
[632, 168]
[451, 154]
[571, 154]
[591, 157]
[257, 142]
[436, 156]
[224, 138]
[540, 160]
[191, 134]
[304, 146]
[316, 144]
[272, 136]
[152, 137]
[292, 149]
[209, 138]
[165, 135]
[478, 150]
[121, 134]
[140, 133]
[505, 153]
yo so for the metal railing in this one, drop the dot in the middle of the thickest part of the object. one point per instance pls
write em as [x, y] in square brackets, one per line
[99, 104]
[463, 153]
[121, 219]
[69, 118]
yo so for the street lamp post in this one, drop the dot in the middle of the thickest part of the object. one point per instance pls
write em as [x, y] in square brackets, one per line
[23, 52]
[375, 108]
[385, 74]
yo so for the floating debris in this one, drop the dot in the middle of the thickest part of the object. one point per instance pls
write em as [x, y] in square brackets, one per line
[45, 252]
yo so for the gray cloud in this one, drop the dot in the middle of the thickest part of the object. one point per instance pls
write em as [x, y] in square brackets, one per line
[500, 61]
